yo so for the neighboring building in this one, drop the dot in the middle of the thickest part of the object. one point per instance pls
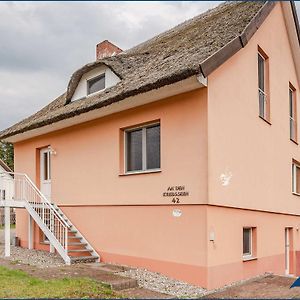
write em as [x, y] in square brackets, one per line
[6, 191]
[179, 155]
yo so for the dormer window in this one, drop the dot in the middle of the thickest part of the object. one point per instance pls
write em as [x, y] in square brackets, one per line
[96, 84]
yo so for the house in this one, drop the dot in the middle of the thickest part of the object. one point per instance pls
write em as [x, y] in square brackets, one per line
[6, 191]
[179, 155]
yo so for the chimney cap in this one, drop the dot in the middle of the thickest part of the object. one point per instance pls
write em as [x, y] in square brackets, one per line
[106, 49]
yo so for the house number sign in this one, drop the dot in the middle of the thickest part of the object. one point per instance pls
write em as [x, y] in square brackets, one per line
[175, 193]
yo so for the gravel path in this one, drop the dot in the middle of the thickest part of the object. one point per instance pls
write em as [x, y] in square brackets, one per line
[163, 284]
[41, 259]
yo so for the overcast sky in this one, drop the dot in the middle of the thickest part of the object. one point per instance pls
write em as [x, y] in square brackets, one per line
[43, 43]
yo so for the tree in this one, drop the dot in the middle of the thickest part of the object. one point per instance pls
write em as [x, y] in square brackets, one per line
[7, 153]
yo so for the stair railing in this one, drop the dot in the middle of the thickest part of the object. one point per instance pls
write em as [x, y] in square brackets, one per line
[25, 190]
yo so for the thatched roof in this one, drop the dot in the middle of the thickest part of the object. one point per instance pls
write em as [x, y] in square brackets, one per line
[196, 46]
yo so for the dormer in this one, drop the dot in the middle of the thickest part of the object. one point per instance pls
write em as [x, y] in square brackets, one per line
[99, 78]
[95, 81]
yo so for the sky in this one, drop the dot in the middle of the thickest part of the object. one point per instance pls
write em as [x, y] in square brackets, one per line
[43, 43]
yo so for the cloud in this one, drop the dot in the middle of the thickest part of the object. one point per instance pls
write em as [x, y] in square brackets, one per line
[43, 43]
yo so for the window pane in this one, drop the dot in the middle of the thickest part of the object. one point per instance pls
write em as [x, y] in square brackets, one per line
[134, 150]
[297, 180]
[261, 72]
[49, 166]
[247, 241]
[96, 84]
[291, 103]
[45, 162]
[153, 147]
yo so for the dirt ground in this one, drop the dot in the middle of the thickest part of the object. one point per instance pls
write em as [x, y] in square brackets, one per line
[103, 274]
[271, 286]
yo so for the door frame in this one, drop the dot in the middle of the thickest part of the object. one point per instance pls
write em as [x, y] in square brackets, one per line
[42, 170]
[288, 248]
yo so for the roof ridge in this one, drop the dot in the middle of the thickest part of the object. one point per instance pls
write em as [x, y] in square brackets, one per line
[183, 24]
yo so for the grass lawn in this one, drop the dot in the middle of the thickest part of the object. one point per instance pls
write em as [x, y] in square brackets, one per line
[18, 284]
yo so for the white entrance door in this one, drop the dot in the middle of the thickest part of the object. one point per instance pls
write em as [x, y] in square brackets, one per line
[45, 172]
[287, 251]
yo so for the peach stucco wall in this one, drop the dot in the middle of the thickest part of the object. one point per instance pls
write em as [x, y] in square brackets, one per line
[150, 237]
[204, 134]
[87, 167]
[225, 252]
[256, 154]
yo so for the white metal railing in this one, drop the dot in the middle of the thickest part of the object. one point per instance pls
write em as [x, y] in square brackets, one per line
[21, 188]
[262, 96]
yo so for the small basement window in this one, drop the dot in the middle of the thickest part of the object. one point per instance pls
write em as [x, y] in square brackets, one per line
[142, 150]
[296, 178]
[96, 84]
[249, 243]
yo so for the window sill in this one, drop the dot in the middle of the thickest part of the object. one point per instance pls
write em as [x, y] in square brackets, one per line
[294, 141]
[140, 172]
[249, 258]
[268, 122]
[296, 194]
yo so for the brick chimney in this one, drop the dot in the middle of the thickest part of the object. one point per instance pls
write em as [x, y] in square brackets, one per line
[106, 49]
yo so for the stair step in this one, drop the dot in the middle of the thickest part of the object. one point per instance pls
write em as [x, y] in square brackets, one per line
[80, 250]
[77, 244]
[73, 230]
[75, 237]
[83, 258]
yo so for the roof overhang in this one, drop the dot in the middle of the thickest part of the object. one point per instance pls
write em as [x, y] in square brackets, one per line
[186, 85]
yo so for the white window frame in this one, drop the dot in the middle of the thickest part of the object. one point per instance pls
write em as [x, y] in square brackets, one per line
[144, 149]
[261, 92]
[294, 178]
[248, 255]
[94, 77]
[293, 118]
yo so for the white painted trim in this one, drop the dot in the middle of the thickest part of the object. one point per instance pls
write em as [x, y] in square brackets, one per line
[141, 172]
[294, 178]
[287, 250]
[12, 203]
[30, 232]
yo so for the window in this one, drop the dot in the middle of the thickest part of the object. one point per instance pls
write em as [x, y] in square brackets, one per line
[247, 242]
[96, 84]
[47, 164]
[293, 113]
[142, 148]
[263, 75]
[296, 178]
